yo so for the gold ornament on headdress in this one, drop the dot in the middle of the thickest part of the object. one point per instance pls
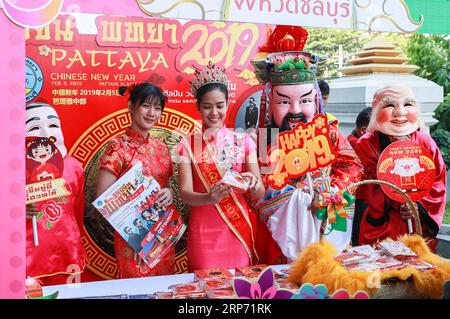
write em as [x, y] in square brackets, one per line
[210, 74]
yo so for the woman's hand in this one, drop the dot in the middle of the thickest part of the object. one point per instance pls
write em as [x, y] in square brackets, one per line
[165, 198]
[32, 210]
[253, 180]
[218, 191]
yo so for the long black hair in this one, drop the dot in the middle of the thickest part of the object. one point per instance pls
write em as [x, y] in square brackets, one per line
[144, 92]
[210, 87]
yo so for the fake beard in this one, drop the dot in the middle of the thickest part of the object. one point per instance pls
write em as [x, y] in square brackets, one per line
[289, 119]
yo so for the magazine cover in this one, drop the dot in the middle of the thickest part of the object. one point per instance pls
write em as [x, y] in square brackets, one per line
[129, 206]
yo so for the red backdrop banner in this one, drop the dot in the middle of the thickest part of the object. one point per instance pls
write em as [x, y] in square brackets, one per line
[82, 72]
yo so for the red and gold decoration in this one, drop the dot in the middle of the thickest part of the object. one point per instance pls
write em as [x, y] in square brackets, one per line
[408, 166]
[333, 207]
[303, 149]
[286, 38]
[404, 280]
[44, 168]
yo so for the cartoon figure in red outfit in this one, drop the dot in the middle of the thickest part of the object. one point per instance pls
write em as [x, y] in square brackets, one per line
[407, 168]
[44, 161]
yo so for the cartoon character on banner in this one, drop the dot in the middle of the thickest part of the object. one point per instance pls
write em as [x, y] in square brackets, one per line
[44, 167]
[44, 159]
[396, 150]
[309, 161]
[407, 168]
[55, 200]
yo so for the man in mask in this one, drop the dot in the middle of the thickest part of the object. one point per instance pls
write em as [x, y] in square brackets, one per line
[60, 252]
[294, 97]
[396, 116]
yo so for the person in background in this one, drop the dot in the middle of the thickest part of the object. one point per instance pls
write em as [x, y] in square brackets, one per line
[140, 226]
[362, 121]
[150, 217]
[325, 91]
[251, 114]
[145, 104]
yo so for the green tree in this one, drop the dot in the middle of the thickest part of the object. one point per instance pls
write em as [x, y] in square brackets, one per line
[432, 54]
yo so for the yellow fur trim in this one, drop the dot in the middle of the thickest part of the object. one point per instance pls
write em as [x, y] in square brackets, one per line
[316, 265]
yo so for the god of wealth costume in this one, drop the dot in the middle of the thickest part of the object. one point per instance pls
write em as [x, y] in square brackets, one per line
[294, 96]
[396, 113]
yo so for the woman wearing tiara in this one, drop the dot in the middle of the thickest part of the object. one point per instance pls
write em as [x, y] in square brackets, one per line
[221, 227]
[145, 104]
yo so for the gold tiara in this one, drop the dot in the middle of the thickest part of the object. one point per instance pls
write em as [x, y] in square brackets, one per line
[210, 74]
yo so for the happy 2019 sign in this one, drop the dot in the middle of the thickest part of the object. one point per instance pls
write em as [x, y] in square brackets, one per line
[303, 149]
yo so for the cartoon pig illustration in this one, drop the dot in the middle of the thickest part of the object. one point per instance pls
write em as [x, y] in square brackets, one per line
[407, 168]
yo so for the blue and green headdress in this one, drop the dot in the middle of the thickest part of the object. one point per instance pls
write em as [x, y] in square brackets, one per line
[290, 68]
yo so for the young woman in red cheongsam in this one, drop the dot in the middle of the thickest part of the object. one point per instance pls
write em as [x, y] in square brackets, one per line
[146, 104]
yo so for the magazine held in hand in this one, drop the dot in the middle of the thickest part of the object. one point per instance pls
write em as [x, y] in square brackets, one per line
[129, 206]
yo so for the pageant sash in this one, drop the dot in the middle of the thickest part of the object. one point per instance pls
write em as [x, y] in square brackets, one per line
[230, 209]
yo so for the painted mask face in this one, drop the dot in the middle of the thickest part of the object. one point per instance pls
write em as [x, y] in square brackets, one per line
[291, 104]
[43, 121]
[397, 113]
[213, 109]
